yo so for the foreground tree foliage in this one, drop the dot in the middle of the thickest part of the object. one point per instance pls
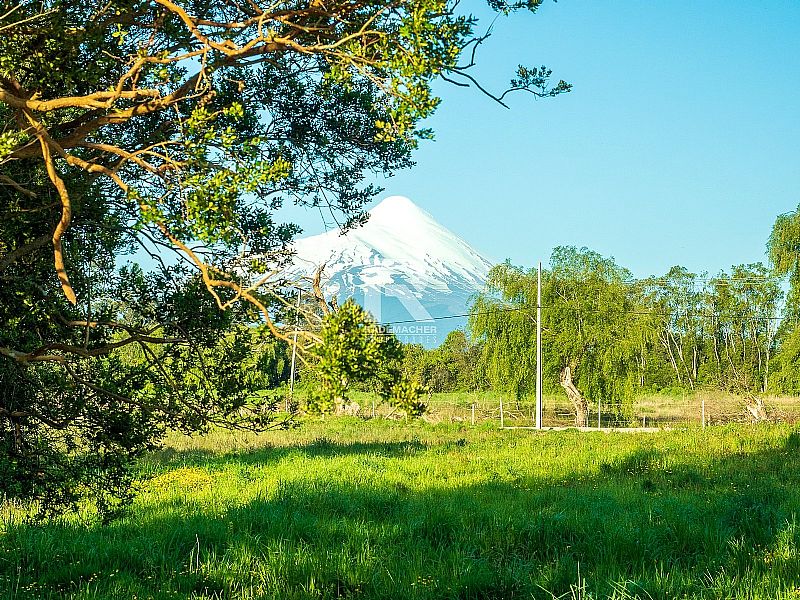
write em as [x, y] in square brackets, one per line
[356, 350]
[783, 248]
[174, 132]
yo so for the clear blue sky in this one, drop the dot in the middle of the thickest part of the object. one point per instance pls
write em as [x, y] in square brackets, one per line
[679, 144]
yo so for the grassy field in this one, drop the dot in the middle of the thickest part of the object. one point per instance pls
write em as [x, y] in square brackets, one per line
[349, 508]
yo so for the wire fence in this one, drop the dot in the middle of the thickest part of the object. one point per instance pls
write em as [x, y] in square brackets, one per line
[648, 412]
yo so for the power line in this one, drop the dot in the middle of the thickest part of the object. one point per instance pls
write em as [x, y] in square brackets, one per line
[742, 316]
[694, 281]
[754, 278]
[459, 316]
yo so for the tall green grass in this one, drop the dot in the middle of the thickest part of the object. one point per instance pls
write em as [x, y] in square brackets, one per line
[374, 509]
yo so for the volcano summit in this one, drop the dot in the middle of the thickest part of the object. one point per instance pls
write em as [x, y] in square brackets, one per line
[402, 266]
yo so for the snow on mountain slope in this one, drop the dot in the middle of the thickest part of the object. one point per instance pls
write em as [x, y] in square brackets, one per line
[402, 266]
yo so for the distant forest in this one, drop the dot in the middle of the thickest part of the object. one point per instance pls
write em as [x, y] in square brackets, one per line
[612, 337]
[619, 336]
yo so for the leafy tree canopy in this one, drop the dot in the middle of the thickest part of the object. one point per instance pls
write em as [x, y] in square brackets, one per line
[452, 367]
[783, 248]
[177, 131]
[585, 324]
[354, 350]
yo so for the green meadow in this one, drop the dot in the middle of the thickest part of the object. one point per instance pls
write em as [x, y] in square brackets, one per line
[352, 508]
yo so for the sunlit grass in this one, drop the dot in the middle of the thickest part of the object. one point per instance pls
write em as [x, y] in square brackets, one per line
[347, 508]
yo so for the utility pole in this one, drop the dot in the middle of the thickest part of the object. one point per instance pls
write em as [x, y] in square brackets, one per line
[703, 411]
[539, 348]
[294, 353]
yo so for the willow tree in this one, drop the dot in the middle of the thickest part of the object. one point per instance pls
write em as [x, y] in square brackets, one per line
[178, 130]
[588, 329]
[592, 325]
[783, 248]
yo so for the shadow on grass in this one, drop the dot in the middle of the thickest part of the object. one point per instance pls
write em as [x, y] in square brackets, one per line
[643, 526]
[266, 454]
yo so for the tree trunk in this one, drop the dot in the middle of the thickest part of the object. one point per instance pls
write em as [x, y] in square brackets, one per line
[644, 368]
[578, 401]
[665, 341]
[679, 351]
[766, 362]
[755, 406]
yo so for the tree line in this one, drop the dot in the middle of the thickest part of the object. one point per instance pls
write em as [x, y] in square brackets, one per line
[609, 337]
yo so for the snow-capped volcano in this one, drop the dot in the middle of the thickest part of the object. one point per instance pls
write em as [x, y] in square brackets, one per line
[401, 266]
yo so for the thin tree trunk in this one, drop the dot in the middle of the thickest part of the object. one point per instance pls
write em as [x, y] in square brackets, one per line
[760, 363]
[666, 343]
[755, 406]
[644, 367]
[766, 361]
[578, 401]
[679, 351]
